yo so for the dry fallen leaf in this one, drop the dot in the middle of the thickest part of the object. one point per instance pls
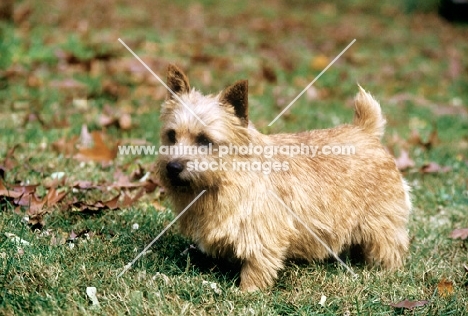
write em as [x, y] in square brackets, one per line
[124, 181]
[58, 239]
[9, 192]
[65, 146]
[319, 62]
[86, 140]
[409, 304]
[68, 84]
[158, 206]
[110, 117]
[72, 235]
[269, 74]
[445, 288]
[111, 204]
[128, 200]
[455, 68]
[404, 161]
[84, 185]
[54, 196]
[100, 152]
[433, 167]
[25, 196]
[34, 205]
[433, 140]
[461, 233]
[9, 162]
[125, 121]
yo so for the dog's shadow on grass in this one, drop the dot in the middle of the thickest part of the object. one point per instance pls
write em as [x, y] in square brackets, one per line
[224, 268]
[186, 255]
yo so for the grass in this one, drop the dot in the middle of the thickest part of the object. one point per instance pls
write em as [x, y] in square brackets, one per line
[414, 64]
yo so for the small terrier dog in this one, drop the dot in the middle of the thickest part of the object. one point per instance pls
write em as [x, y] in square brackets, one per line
[261, 209]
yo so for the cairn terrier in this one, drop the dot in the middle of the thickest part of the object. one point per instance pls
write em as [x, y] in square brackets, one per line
[304, 192]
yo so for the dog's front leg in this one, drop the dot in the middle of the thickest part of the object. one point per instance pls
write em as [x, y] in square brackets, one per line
[259, 272]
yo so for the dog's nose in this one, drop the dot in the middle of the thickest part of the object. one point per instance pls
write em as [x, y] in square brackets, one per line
[174, 168]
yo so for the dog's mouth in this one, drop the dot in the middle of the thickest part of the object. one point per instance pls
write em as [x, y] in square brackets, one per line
[179, 183]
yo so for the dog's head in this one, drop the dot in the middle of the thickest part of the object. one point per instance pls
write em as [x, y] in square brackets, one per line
[194, 126]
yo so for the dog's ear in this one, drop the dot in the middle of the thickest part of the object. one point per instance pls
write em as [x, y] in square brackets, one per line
[177, 81]
[237, 95]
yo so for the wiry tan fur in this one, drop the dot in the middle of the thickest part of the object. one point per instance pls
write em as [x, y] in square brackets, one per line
[358, 199]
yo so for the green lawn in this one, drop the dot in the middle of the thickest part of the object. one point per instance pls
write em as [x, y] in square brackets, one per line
[62, 68]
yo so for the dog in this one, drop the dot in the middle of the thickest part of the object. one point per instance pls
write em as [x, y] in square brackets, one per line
[261, 209]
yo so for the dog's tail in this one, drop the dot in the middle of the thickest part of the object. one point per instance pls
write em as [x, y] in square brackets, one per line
[368, 114]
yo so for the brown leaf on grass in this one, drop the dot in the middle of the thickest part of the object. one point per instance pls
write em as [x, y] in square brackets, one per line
[124, 181]
[158, 206]
[111, 87]
[395, 141]
[68, 84]
[100, 152]
[404, 162]
[455, 68]
[125, 121]
[138, 173]
[433, 139]
[54, 182]
[9, 162]
[437, 108]
[433, 167]
[151, 185]
[53, 196]
[98, 206]
[72, 235]
[57, 122]
[414, 138]
[31, 118]
[57, 240]
[25, 196]
[136, 180]
[461, 233]
[16, 191]
[269, 74]
[65, 146]
[112, 203]
[84, 185]
[319, 62]
[409, 304]
[86, 140]
[35, 209]
[32, 202]
[110, 117]
[219, 62]
[445, 287]
[7, 192]
[128, 200]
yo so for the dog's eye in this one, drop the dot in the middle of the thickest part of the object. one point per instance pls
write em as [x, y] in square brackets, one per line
[171, 136]
[203, 140]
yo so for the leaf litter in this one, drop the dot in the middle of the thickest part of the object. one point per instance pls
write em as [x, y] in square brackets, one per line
[28, 202]
[407, 304]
